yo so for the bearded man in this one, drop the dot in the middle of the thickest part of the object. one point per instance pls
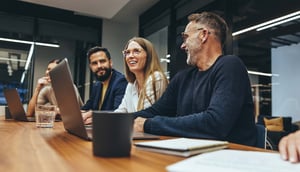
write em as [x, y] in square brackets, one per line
[110, 85]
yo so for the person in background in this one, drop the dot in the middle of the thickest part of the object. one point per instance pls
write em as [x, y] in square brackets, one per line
[43, 93]
[210, 100]
[146, 78]
[289, 147]
[108, 90]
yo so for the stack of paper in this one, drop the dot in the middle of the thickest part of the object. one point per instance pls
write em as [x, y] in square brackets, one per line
[235, 161]
[182, 146]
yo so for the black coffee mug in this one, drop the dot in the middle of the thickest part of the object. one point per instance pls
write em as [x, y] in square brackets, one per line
[112, 134]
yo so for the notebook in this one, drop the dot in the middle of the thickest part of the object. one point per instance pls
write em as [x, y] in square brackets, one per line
[182, 146]
[65, 94]
[15, 105]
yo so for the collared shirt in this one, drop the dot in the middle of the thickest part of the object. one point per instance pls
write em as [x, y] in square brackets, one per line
[131, 97]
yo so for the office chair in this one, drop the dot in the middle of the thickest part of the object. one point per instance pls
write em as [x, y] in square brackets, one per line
[261, 136]
[273, 137]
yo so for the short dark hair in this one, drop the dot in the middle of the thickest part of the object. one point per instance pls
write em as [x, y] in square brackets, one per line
[96, 49]
[56, 61]
[213, 21]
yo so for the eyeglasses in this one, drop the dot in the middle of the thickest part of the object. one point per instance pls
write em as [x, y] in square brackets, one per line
[184, 35]
[135, 52]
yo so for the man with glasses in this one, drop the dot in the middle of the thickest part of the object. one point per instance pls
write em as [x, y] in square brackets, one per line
[109, 89]
[210, 100]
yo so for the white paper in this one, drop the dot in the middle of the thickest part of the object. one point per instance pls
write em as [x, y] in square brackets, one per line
[235, 161]
[182, 143]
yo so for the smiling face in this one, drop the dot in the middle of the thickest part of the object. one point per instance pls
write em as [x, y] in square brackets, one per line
[135, 57]
[192, 44]
[100, 65]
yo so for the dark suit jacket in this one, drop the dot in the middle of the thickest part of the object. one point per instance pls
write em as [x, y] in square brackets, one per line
[113, 96]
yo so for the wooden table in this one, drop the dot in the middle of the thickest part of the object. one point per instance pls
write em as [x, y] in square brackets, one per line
[23, 147]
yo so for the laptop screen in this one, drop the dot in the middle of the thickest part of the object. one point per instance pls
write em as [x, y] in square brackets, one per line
[14, 104]
[67, 101]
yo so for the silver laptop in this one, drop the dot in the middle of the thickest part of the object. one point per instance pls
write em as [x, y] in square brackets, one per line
[62, 84]
[15, 105]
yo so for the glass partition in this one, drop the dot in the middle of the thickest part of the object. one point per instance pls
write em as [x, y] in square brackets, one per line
[160, 42]
[15, 70]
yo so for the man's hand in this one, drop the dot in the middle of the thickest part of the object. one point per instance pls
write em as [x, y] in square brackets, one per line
[139, 124]
[87, 117]
[289, 147]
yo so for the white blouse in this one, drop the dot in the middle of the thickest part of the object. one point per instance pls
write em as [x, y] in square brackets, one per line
[131, 97]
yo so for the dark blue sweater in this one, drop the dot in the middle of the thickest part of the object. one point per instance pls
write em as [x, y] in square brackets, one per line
[213, 104]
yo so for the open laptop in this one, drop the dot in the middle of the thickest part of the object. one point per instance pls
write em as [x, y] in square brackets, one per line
[15, 105]
[65, 94]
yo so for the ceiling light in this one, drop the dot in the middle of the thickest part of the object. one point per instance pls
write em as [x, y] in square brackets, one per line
[261, 73]
[23, 77]
[16, 40]
[165, 60]
[278, 23]
[46, 44]
[297, 13]
[30, 42]
[27, 62]
[29, 57]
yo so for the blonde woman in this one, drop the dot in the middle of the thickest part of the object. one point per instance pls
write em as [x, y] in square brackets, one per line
[146, 79]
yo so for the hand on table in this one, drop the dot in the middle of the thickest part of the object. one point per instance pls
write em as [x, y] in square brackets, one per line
[87, 117]
[139, 124]
[289, 147]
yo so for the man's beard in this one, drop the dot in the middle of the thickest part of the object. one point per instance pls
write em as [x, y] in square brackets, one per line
[105, 76]
[192, 55]
[190, 60]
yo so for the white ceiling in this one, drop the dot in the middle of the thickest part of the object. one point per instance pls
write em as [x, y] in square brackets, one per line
[117, 10]
[124, 11]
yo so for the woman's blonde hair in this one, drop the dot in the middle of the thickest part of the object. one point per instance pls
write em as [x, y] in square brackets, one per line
[152, 65]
